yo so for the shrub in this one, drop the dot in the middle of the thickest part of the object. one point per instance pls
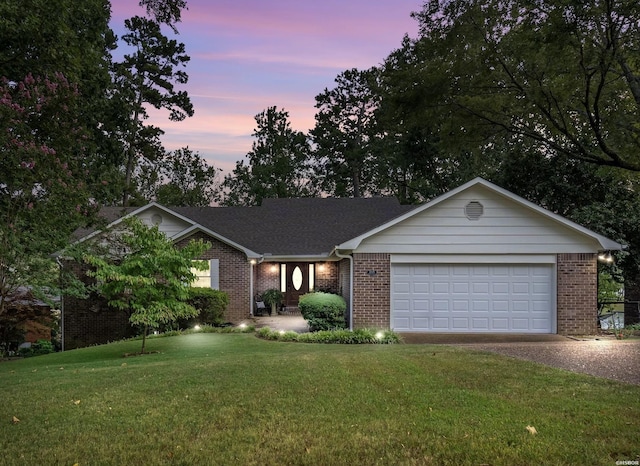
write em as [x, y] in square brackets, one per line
[342, 336]
[210, 304]
[323, 311]
[38, 348]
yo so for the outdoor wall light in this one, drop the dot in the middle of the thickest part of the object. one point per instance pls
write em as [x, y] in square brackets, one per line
[605, 257]
[372, 273]
[321, 267]
[252, 262]
[274, 268]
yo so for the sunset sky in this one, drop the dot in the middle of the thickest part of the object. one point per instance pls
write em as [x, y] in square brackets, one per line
[247, 55]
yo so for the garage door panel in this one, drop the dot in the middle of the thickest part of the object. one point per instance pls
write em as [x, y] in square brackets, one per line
[480, 324]
[440, 324]
[441, 305]
[460, 305]
[441, 287]
[499, 324]
[480, 305]
[472, 298]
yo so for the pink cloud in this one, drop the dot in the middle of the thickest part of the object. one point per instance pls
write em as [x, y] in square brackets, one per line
[247, 55]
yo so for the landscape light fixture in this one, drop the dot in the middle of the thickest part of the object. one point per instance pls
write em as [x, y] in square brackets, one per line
[605, 257]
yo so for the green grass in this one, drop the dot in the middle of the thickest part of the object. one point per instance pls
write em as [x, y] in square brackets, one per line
[238, 399]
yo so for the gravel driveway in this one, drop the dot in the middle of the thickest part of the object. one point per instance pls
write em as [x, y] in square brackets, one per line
[612, 359]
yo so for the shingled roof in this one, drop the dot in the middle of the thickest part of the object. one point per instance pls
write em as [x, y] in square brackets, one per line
[303, 226]
[287, 227]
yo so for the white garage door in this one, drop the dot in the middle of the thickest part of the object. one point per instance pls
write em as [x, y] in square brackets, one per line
[472, 298]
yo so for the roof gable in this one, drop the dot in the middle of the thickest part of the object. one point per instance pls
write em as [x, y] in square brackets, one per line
[526, 222]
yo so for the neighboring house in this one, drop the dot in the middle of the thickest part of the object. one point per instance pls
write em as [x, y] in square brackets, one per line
[477, 259]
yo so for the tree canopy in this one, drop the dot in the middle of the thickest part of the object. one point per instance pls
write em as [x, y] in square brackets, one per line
[278, 164]
[564, 76]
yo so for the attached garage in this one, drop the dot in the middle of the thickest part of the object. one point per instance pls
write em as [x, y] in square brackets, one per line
[470, 298]
[478, 259]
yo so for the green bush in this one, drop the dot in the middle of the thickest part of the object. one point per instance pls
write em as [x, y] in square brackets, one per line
[342, 336]
[210, 303]
[38, 348]
[323, 311]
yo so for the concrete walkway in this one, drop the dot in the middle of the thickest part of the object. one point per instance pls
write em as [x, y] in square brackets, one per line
[295, 323]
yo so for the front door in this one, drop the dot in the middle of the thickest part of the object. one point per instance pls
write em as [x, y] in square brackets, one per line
[297, 282]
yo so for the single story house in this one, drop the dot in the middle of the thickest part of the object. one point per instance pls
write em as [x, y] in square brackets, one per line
[476, 259]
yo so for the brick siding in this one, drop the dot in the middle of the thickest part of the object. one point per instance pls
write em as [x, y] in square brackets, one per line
[372, 292]
[234, 275]
[577, 294]
[91, 321]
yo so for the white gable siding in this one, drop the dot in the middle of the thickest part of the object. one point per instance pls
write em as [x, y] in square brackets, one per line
[169, 224]
[505, 227]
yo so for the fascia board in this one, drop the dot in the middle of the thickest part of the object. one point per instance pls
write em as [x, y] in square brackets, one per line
[199, 228]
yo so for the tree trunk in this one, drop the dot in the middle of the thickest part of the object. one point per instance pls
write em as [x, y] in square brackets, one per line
[144, 338]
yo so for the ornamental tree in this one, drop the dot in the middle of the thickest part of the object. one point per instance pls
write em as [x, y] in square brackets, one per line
[141, 271]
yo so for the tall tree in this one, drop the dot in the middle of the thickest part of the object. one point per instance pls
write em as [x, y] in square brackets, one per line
[564, 74]
[147, 78]
[277, 164]
[151, 280]
[43, 193]
[345, 134]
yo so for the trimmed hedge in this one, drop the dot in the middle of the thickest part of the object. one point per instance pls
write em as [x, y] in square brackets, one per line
[345, 337]
[323, 311]
[211, 305]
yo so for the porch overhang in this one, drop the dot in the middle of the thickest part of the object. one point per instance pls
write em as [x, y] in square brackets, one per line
[324, 257]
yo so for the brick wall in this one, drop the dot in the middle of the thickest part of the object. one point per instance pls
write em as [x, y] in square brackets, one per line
[372, 292]
[91, 321]
[266, 276]
[234, 275]
[327, 277]
[577, 294]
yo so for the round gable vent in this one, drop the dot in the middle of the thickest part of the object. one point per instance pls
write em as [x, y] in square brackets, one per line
[156, 219]
[473, 210]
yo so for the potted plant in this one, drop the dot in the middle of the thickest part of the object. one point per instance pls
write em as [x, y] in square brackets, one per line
[272, 297]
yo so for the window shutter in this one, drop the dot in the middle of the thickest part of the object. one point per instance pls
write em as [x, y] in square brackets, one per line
[214, 269]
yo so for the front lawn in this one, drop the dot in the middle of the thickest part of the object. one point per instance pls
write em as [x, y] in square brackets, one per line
[237, 399]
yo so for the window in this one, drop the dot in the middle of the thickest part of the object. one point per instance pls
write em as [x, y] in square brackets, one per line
[208, 278]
